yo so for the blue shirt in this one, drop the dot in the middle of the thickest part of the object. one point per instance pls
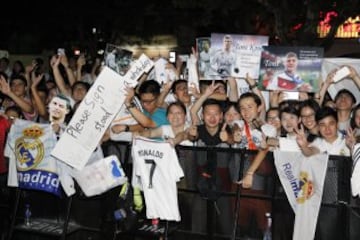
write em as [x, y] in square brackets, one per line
[159, 116]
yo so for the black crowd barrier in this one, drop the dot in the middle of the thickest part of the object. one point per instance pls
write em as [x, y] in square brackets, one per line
[211, 206]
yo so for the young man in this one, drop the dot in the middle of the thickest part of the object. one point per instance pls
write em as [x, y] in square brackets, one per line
[250, 106]
[212, 165]
[344, 101]
[16, 93]
[153, 116]
[330, 141]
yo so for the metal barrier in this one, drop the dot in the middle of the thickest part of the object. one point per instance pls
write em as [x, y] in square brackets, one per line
[216, 208]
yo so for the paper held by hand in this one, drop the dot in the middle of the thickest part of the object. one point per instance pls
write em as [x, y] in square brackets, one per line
[288, 145]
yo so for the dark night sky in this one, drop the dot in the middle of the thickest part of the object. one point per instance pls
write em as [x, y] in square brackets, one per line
[46, 23]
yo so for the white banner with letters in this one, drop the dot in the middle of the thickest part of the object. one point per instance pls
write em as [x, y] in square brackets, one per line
[303, 181]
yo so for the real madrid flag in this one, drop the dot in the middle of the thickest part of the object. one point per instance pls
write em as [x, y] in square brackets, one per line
[28, 148]
[303, 181]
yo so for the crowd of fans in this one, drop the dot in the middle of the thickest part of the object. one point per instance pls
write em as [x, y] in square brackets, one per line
[212, 114]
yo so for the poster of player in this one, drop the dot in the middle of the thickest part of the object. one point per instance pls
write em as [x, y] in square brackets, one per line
[236, 55]
[293, 69]
[203, 45]
[117, 58]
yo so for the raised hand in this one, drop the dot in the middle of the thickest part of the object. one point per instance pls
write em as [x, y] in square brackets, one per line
[350, 139]
[224, 135]
[301, 136]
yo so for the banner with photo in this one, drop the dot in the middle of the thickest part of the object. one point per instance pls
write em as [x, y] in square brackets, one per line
[31, 166]
[117, 58]
[235, 55]
[343, 81]
[296, 69]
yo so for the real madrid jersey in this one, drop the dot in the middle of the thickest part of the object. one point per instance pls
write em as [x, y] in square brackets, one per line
[156, 170]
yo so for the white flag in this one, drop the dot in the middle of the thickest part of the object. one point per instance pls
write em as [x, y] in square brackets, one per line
[355, 176]
[303, 181]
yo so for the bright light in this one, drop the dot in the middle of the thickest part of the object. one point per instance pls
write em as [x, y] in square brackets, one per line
[349, 29]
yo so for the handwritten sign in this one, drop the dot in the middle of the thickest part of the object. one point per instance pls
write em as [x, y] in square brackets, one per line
[95, 113]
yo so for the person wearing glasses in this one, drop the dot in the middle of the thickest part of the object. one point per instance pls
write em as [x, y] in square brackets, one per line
[152, 115]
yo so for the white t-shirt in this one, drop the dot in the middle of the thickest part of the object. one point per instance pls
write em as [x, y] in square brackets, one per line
[156, 170]
[167, 132]
[338, 147]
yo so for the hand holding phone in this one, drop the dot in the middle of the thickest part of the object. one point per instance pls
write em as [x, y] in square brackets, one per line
[61, 51]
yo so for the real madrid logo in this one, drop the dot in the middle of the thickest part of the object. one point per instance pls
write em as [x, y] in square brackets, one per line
[29, 150]
[306, 188]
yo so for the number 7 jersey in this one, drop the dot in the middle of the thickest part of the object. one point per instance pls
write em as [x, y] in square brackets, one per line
[156, 170]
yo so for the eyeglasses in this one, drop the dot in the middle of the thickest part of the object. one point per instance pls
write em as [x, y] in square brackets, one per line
[270, 119]
[148, 101]
[308, 116]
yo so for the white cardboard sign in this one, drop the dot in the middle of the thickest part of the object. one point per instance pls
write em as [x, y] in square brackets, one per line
[95, 113]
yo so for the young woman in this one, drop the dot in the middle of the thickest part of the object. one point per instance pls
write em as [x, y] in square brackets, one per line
[290, 120]
[175, 132]
[308, 109]
[355, 120]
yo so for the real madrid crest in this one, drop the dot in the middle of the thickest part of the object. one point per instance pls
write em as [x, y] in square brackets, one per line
[306, 188]
[29, 150]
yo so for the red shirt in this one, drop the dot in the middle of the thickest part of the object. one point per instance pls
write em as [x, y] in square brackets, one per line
[4, 127]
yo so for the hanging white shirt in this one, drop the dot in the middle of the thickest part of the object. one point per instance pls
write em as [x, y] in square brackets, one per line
[156, 170]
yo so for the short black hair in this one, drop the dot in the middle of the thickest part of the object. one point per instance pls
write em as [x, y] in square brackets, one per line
[150, 86]
[345, 91]
[325, 112]
[211, 101]
[18, 77]
[272, 109]
[177, 82]
[177, 103]
[252, 95]
[228, 104]
[84, 84]
[290, 110]
[311, 103]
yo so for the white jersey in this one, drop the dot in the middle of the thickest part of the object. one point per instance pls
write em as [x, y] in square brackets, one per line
[338, 147]
[156, 170]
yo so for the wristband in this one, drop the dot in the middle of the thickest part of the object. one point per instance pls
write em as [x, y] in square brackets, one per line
[249, 173]
[130, 105]
[253, 86]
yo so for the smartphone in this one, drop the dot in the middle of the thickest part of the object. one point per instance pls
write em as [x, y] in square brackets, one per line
[341, 74]
[172, 57]
[61, 51]
[291, 95]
